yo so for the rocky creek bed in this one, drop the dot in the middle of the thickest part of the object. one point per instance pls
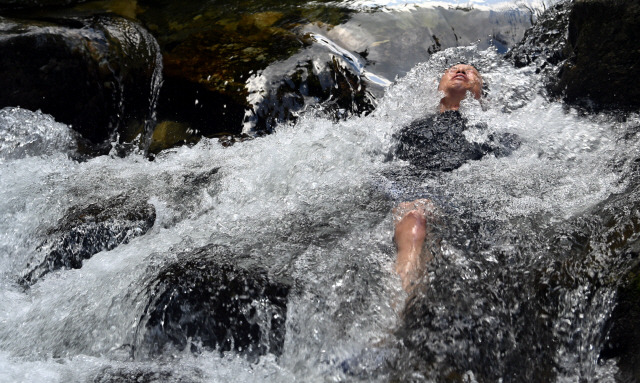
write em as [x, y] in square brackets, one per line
[127, 256]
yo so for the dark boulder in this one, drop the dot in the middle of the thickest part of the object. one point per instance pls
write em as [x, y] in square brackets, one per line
[207, 300]
[85, 231]
[544, 43]
[23, 4]
[333, 87]
[623, 328]
[603, 54]
[588, 50]
[97, 74]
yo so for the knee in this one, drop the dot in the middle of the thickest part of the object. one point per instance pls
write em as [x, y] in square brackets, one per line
[416, 216]
[413, 221]
[416, 210]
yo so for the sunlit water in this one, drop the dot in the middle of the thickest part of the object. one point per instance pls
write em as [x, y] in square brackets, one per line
[311, 202]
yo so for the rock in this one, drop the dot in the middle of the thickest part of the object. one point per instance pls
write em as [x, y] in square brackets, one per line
[603, 53]
[211, 50]
[168, 134]
[22, 4]
[544, 43]
[210, 300]
[282, 91]
[85, 231]
[587, 50]
[623, 328]
[98, 74]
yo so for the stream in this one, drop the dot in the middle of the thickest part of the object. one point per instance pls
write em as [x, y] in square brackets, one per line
[512, 294]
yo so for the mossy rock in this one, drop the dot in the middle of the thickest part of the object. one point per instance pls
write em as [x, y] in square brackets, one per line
[168, 134]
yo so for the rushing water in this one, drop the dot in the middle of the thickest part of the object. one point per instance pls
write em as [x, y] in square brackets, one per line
[311, 203]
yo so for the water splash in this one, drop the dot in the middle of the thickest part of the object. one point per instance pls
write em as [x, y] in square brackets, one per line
[308, 202]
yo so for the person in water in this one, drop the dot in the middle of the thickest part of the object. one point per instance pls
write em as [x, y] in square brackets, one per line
[437, 143]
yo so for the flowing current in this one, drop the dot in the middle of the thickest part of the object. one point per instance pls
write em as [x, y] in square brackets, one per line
[312, 203]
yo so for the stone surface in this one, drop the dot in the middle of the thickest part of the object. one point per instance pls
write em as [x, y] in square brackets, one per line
[85, 231]
[603, 55]
[168, 134]
[211, 50]
[623, 328]
[210, 300]
[22, 4]
[588, 50]
[543, 45]
[97, 74]
[330, 87]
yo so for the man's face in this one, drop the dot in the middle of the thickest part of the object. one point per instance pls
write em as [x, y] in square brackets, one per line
[460, 79]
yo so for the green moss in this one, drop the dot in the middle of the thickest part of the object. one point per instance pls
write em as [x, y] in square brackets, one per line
[168, 134]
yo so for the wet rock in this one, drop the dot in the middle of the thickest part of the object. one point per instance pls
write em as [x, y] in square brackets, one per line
[138, 374]
[22, 4]
[210, 300]
[602, 53]
[333, 88]
[623, 328]
[97, 74]
[168, 134]
[543, 44]
[85, 231]
[586, 49]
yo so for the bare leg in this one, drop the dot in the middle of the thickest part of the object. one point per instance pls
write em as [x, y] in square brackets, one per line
[411, 229]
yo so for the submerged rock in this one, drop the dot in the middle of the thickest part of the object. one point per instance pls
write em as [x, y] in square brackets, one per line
[140, 374]
[85, 231]
[98, 74]
[209, 300]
